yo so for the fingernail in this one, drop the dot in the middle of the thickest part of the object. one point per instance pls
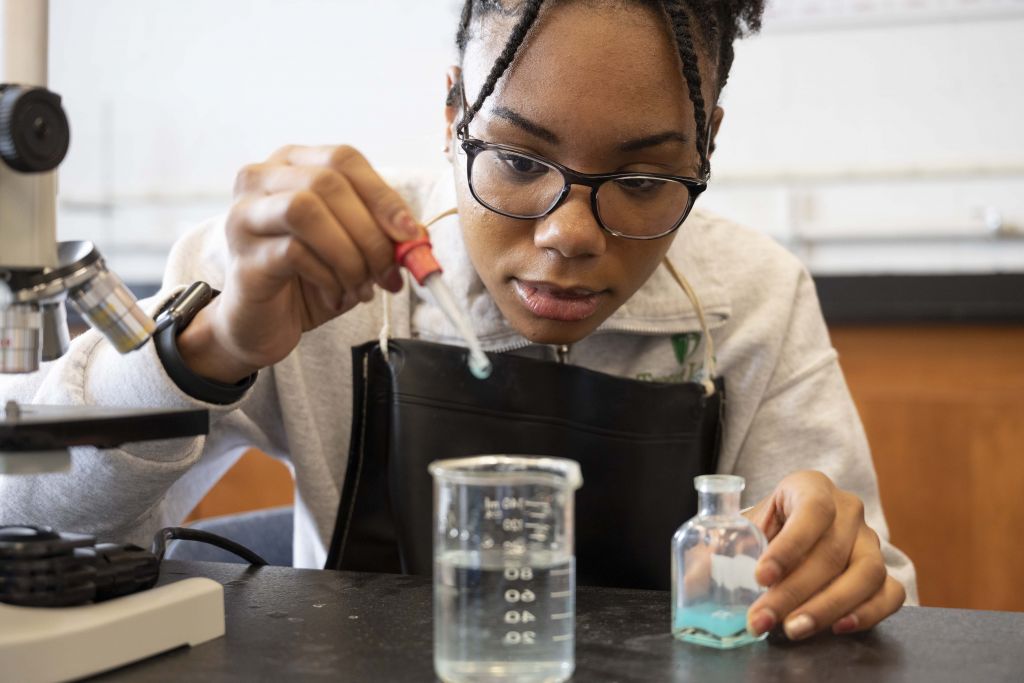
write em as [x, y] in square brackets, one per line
[405, 225]
[762, 622]
[847, 624]
[365, 292]
[769, 572]
[799, 627]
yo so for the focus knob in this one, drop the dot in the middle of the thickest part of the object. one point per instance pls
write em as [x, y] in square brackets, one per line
[34, 133]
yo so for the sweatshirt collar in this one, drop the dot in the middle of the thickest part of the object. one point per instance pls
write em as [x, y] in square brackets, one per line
[658, 307]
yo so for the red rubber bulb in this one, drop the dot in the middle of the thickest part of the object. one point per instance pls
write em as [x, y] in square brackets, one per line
[417, 257]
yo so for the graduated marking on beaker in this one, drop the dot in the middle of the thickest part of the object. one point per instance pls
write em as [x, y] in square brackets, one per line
[492, 509]
[538, 531]
[513, 524]
[525, 616]
[520, 638]
[513, 595]
[569, 613]
[514, 547]
[517, 597]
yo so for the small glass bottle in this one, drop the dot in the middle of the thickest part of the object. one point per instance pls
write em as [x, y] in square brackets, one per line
[713, 560]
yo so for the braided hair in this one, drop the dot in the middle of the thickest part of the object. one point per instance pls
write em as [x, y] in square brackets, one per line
[718, 24]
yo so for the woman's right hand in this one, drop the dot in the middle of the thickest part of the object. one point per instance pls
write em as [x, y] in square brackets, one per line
[311, 231]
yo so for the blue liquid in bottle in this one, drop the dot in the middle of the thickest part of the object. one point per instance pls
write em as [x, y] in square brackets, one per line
[713, 560]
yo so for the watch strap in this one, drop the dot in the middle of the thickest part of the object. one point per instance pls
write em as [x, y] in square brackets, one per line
[174, 318]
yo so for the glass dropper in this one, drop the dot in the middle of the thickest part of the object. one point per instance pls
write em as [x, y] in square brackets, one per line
[417, 256]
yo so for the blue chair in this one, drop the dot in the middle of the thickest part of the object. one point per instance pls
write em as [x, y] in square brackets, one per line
[267, 532]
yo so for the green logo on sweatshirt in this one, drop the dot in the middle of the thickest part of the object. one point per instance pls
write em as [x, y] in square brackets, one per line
[685, 347]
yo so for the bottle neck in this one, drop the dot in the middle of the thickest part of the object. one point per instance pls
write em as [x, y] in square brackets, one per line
[719, 503]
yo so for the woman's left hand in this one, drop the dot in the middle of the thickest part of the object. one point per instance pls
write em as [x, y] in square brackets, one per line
[823, 565]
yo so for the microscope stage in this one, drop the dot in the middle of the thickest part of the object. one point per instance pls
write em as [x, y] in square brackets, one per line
[49, 428]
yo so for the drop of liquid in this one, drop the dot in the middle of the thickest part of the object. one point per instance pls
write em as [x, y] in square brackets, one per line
[479, 365]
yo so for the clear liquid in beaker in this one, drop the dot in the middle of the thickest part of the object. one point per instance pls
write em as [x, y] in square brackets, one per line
[498, 619]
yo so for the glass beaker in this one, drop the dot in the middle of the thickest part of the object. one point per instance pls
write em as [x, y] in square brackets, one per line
[713, 560]
[504, 568]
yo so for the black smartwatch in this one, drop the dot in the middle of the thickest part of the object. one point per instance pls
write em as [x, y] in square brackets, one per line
[174, 318]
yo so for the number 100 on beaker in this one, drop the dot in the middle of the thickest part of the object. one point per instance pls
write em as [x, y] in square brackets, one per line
[504, 569]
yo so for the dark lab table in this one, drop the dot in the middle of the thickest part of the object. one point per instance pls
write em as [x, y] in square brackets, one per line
[294, 625]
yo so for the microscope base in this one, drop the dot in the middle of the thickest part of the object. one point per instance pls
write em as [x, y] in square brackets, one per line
[51, 644]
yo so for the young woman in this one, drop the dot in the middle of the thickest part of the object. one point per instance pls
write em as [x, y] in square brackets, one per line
[543, 258]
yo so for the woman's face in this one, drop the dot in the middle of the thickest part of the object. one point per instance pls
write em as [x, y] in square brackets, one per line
[596, 87]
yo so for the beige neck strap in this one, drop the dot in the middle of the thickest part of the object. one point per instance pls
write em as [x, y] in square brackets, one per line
[709, 344]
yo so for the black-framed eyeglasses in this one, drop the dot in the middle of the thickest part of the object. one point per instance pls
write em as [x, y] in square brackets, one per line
[519, 184]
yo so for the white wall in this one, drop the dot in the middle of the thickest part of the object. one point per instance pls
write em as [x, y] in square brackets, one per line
[832, 135]
[169, 98]
[881, 147]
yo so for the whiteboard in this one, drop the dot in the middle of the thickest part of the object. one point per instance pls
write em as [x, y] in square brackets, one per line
[812, 14]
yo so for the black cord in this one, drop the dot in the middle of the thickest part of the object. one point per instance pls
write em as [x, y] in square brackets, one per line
[177, 533]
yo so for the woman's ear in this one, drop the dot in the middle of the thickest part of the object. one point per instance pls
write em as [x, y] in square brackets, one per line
[452, 105]
[716, 121]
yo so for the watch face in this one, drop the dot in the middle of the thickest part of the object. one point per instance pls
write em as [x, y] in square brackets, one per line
[184, 307]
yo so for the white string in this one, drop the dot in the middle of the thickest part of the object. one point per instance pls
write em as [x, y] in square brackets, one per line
[385, 328]
[709, 344]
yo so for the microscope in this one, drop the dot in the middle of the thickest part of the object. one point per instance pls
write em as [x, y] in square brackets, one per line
[38, 275]
[68, 607]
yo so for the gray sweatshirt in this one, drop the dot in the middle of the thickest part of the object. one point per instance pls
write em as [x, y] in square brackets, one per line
[789, 408]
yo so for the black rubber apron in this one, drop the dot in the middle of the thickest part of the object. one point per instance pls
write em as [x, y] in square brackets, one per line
[639, 444]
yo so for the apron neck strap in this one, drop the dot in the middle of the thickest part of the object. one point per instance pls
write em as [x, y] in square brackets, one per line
[709, 344]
